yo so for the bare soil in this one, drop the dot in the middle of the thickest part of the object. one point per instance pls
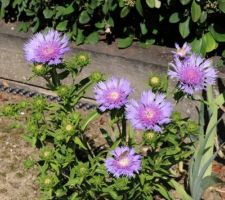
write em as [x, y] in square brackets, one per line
[16, 182]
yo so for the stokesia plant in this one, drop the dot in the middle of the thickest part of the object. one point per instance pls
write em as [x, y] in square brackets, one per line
[195, 74]
[146, 143]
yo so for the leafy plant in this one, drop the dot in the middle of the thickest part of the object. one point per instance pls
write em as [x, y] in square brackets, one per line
[148, 21]
[137, 160]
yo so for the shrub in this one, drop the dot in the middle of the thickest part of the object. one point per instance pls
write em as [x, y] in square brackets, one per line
[149, 21]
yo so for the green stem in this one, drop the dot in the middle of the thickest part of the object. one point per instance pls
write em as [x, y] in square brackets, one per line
[55, 78]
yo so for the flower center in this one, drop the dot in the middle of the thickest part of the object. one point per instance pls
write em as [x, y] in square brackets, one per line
[191, 76]
[124, 162]
[114, 95]
[48, 51]
[149, 113]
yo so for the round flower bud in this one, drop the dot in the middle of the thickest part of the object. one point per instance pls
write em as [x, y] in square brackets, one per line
[47, 181]
[69, 128]
[40, 103]
[149, 136]
[96, 76]
[63, 90]
[60, 193]
[154, 81]
[39, 70]
[46, 153]
[192, 127]
[82, 60]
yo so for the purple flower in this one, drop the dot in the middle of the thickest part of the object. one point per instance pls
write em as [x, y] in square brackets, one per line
[182, 51]
[193, 73]
[46, 48]
[150, 113]
[112, 94]
[124, 162]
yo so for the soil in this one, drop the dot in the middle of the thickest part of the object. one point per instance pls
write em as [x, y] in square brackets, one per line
[18, 183]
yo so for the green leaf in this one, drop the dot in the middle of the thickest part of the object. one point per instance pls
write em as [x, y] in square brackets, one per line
[62, 26]
[4, 3]
[221, 4]
[68, 10]
[203, 17]
[139, 7]
[125, 42]
[48, 13]
[150, 3]
[185, 2]
[125, 11]
[144, 29]
[84, 17]
[78, 141]
[217, 32]
[163, 191]
[92, 38]
[147, 43]
[174, 18]
[157, 4]
[195, 11]
[198, 46]
[220, 100]
[80, 37]
[209, 42]
[180, 190]
[35, 25]
[89, 118]
[210, 181]
[184, 28]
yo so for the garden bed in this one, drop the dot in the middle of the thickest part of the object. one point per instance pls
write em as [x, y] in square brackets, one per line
[97, 152]
[18, 183]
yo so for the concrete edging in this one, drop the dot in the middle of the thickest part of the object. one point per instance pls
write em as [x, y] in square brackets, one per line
[134, 63]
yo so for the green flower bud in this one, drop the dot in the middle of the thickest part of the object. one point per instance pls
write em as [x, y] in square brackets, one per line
[149, 136]
[69, 128]
[192, 127]
[23, 104]
[96, 76]
[40, 103]
[60, 193]
[176, 116]
[37, 116]
[39, 70]
[63, 91]
[48, 181]
[46, 153]
[82, 60]
[154, 81]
